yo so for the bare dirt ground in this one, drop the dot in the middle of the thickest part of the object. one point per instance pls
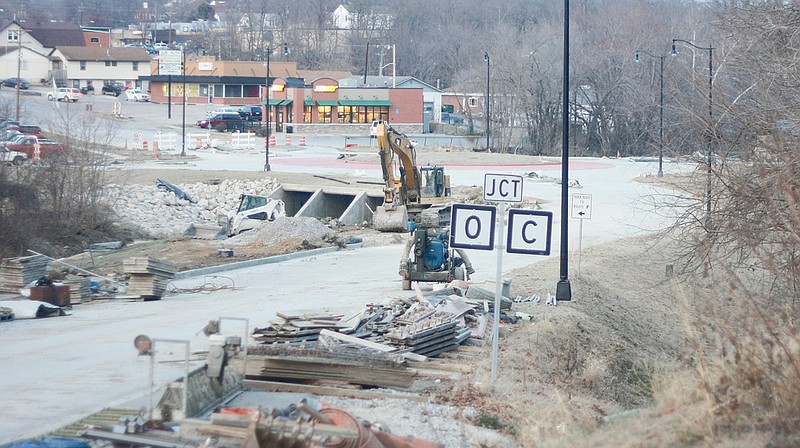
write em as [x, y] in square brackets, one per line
[561, 373]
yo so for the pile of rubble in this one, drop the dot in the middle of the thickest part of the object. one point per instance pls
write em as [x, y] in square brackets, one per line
[163, 214]
[424, 325]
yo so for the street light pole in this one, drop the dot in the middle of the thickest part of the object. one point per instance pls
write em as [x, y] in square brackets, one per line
[710, 118]
[563, 287]
[267, 89]
[660, 110]
[488, 110]
[269, 110]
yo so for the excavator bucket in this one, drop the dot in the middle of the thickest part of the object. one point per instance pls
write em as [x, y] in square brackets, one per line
[391, 220]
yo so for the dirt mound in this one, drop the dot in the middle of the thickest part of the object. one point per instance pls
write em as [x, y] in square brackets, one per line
[282, 229]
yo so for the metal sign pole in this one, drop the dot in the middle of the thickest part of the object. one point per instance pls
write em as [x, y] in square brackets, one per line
[580, 247]
[498, 289]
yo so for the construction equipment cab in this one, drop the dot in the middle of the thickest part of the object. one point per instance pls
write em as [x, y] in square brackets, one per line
[252, 212]
[413, 189]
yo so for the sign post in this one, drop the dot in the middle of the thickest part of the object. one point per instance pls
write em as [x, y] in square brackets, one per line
[500, 188]
[473, 227]
[581, 210]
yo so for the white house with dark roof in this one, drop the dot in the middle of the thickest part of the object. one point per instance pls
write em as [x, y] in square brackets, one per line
[84, 66]
[34, 41]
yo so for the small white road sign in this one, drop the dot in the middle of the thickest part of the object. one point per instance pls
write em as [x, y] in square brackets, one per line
[472, 226]
[170, 62]
[502, 188]
[529, 232]
[581, 206]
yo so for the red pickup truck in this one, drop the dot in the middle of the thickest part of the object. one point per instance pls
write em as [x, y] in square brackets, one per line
[29, 144]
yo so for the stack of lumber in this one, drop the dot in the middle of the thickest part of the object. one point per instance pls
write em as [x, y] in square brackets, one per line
[16, 273]
[78, 289]
[297, 329]
[313, 366]
[148, 277]
[429, 336]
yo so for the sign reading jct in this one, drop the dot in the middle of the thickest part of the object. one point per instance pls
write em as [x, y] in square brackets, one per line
[502, 188]
[472, 227]
[529, 232]
[581, 206]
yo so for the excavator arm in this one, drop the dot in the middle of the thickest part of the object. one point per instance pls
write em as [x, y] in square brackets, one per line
[407, 190]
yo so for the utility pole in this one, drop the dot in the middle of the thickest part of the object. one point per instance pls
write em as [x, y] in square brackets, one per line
[19, 67]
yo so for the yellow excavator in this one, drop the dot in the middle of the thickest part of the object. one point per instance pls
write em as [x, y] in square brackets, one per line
[414, 190]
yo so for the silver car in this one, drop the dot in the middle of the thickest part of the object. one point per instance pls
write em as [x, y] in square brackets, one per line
[137, 95]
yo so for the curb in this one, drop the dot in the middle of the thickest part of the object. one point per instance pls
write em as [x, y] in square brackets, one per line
[250, 263]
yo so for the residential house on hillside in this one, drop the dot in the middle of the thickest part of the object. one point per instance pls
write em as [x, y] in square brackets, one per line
[34, 41]
[93, 66]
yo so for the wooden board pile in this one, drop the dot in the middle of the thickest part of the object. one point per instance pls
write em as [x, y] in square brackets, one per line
[297, 329]
[148, 277]
[78, 289]
[16, 273]
[421, 325]
[318, 365]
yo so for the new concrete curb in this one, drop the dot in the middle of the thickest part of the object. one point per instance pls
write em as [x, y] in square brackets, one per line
[250, 263]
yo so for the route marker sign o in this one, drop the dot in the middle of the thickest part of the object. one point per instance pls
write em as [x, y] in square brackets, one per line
[472, 226]
[529, 232]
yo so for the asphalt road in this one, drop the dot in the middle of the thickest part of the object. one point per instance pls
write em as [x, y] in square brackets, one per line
[57, 370]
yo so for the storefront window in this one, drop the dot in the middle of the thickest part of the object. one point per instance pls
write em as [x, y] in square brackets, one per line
[233, 90]
[219, 90]
[307, 114]
[345, 114]
[324, 113]
[252, 91]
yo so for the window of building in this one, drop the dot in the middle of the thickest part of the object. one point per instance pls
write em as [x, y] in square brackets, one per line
[94, 40]
[251, 90]
[83, 65]
[345, 114]
[23, 64]
[135, 66]
[219, 90]
[233, 90]
[324, 114]
[473, 102]
[13, 35]
[111, 63]
[307, 114]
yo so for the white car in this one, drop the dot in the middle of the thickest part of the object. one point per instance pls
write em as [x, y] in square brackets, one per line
[222, 110]
[12, 157]
[64, 94]
[136, 95]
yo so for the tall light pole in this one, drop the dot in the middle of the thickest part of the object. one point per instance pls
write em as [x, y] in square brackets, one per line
[488, 110]
[660, 110]
[710, 118]
[269, 109]
[563, 287]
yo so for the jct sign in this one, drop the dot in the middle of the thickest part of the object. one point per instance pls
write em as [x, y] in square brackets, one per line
[502, 188]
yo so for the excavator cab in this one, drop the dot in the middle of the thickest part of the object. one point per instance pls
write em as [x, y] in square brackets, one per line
[433, 182]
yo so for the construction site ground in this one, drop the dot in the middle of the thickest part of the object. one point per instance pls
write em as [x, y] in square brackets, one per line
[563, 370]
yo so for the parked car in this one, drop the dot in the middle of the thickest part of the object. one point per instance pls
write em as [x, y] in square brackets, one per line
[12, 82]
[29, 143]
[30, 130]
[251, 113]
[10, 157]
[161, 46]
[225, 122]
[64, 94]
[136, 95]
[221, 110]
[114, 89]
[86, 89]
